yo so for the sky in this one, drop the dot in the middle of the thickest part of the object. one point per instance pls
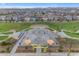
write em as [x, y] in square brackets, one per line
[36, 5]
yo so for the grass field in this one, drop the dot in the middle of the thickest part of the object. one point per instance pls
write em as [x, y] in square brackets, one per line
[69, 26]
[17, 26]
[3, 37]
[73, 34]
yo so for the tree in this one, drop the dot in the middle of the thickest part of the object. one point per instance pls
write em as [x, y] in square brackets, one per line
[61, 48]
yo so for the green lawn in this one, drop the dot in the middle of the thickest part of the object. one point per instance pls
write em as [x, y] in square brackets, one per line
[73, 34]
[7, 32]
[69, 26]
[3, 37]
[9, 26]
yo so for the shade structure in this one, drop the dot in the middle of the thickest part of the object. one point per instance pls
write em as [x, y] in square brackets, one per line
[50, 42]
[27, 42]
